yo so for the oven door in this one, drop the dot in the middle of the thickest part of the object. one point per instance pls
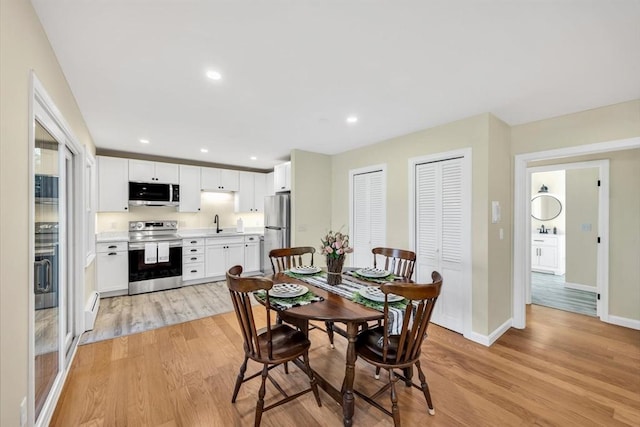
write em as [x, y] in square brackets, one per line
[157, 276]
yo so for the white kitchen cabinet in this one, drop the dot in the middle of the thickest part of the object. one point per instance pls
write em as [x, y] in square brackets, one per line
[269, 185]
[222, 253]
[112, 268]
[547, 253]
[193, 259]
[250, 196]
[146, 171]
[282, 177]
[113, 184]
[189, 189]
[215, 179]
[251, 254]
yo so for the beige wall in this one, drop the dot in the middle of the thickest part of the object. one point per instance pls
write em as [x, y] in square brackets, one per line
[499, 250]
[23, 47]
[582, 209]
[395, 153]
[221, 204]
[311, 179]
[610, 123]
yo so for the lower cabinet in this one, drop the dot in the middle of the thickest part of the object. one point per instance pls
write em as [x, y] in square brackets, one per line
[112, 268]
[251, 254]
[192, 259]
[547, 254]
[221, 253]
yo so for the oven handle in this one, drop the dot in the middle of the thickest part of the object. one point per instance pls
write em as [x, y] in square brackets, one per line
[49, 278]
[140, 246]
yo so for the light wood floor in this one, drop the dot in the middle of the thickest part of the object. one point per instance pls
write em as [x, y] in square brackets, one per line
[564, 369]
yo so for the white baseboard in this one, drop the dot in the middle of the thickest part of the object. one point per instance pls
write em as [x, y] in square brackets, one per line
[581, 287]
[623, 321]
[91, 311]
[488, 340]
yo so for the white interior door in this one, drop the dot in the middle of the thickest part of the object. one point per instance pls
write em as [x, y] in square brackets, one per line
[368, 214]
[439, 204]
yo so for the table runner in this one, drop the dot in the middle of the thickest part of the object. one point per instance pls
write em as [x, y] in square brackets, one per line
[287, 303]
[350, 290]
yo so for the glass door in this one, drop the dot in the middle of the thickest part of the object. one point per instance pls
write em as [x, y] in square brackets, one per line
[46, 264]
[68, 294]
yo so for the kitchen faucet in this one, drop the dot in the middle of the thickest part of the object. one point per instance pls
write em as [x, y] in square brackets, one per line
[216, 221]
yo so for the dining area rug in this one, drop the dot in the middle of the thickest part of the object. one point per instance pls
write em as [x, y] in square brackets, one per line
[130, 314]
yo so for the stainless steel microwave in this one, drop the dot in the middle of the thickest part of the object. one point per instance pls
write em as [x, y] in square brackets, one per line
[153, 194]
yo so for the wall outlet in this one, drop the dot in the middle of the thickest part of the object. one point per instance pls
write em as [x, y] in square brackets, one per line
[23, 412]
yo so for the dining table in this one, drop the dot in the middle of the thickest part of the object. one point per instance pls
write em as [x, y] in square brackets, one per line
[333, 306]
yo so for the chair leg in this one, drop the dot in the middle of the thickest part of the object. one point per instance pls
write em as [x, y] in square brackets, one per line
[260, 403]
[239, 379]
[408, 374]
[377, 372]
[395, 411]
[425, 389]
[286, 368]
[329, 327]
[312, 378]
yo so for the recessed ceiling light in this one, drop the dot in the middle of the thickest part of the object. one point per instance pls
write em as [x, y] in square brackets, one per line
[352, 119]
[144, 141]
[204, 150]
[214, 75]
[253, 158]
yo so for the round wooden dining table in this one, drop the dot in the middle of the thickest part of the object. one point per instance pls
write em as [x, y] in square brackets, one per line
[334, 309]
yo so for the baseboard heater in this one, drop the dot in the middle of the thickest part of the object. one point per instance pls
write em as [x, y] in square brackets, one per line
[91, 311]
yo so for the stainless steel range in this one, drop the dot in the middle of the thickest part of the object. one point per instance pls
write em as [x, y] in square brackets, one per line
[155, 256]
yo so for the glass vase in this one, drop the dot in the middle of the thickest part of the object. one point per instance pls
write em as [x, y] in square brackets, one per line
[334, 270]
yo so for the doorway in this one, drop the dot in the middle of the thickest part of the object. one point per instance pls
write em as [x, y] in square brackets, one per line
[564, 234]
[56, 285]
[440, 209]
[522, 225]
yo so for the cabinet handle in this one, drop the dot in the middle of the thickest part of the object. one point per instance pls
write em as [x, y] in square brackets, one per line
[113, 253]
[194, 271]
[193, 250]
[193, 258]
[538, 240]
[125, 208]
[194, 241]
[112, 246]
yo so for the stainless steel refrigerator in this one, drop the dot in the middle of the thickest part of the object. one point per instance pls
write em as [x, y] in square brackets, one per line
[277, 223]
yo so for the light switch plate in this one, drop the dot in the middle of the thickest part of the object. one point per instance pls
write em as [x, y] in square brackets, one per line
[495, 212]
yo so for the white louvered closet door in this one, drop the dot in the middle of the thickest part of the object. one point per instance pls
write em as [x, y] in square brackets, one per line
[439, 215]
[369, 221]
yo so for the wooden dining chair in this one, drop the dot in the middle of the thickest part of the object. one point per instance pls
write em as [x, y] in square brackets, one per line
[287, 258]
[399, 262]
[383, 350]
[271, 346]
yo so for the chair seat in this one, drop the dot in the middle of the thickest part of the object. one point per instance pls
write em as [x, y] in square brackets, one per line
[287, 343]
[368, 345]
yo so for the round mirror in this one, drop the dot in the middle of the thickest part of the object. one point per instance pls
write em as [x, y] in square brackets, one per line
[545, 207]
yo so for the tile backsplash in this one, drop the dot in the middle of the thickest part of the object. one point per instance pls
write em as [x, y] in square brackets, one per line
[221, 204]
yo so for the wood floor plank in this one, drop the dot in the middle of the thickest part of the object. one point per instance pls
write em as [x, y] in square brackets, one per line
[563, 369]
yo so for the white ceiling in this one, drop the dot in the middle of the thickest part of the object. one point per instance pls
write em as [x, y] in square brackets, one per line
[294, 70]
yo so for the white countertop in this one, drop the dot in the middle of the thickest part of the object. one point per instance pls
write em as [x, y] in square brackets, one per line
[123, 236]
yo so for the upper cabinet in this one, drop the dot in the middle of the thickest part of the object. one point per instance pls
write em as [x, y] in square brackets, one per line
[214, 179]
[250, 196]
[146, 171]
[282, 177]
[113, 184]
[189, 189]
[269, 189]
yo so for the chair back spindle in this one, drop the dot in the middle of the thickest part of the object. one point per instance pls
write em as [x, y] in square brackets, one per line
[398, 261]
[287, 258]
